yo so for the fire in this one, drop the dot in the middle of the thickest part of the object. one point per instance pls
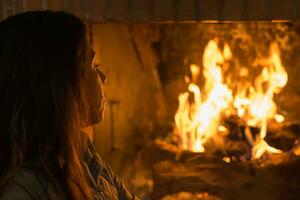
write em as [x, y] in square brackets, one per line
[198, 120]
[262, 105]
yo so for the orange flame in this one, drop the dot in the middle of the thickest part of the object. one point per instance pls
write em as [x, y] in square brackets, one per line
[262, 106]
[198, 121]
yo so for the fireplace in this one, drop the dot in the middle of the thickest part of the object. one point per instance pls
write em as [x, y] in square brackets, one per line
[209, 71]
[202, 95]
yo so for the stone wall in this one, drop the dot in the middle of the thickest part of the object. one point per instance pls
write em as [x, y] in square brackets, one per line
[132, 89]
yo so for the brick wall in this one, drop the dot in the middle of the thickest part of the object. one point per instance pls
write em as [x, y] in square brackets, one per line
[164, 10]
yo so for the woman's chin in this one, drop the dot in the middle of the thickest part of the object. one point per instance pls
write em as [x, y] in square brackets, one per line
[97, 117]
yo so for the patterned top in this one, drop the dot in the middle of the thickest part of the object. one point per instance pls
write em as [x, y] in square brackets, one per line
[105, 185]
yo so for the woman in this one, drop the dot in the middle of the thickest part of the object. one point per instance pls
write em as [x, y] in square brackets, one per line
[50, 90]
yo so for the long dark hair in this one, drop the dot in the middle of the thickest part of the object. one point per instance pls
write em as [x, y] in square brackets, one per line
[42, 98]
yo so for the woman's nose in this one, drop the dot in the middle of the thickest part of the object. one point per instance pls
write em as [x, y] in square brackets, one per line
[101, 74]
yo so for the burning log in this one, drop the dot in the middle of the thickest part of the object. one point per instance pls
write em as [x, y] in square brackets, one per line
[280, 135]
[277, 177]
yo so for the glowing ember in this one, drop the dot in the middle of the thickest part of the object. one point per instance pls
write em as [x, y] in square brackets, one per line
[199, 120]
[279, 118]
[226, 159]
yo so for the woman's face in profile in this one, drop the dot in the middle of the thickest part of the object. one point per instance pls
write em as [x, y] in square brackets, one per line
[94, 80]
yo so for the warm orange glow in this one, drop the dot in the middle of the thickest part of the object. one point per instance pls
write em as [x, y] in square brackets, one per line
[199, 120]
[227, 52]
[195, 70]
[226, 159]
[296, 150]
[262, 106]
[279, 118]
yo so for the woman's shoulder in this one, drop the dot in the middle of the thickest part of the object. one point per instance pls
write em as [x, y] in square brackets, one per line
[27, 184]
